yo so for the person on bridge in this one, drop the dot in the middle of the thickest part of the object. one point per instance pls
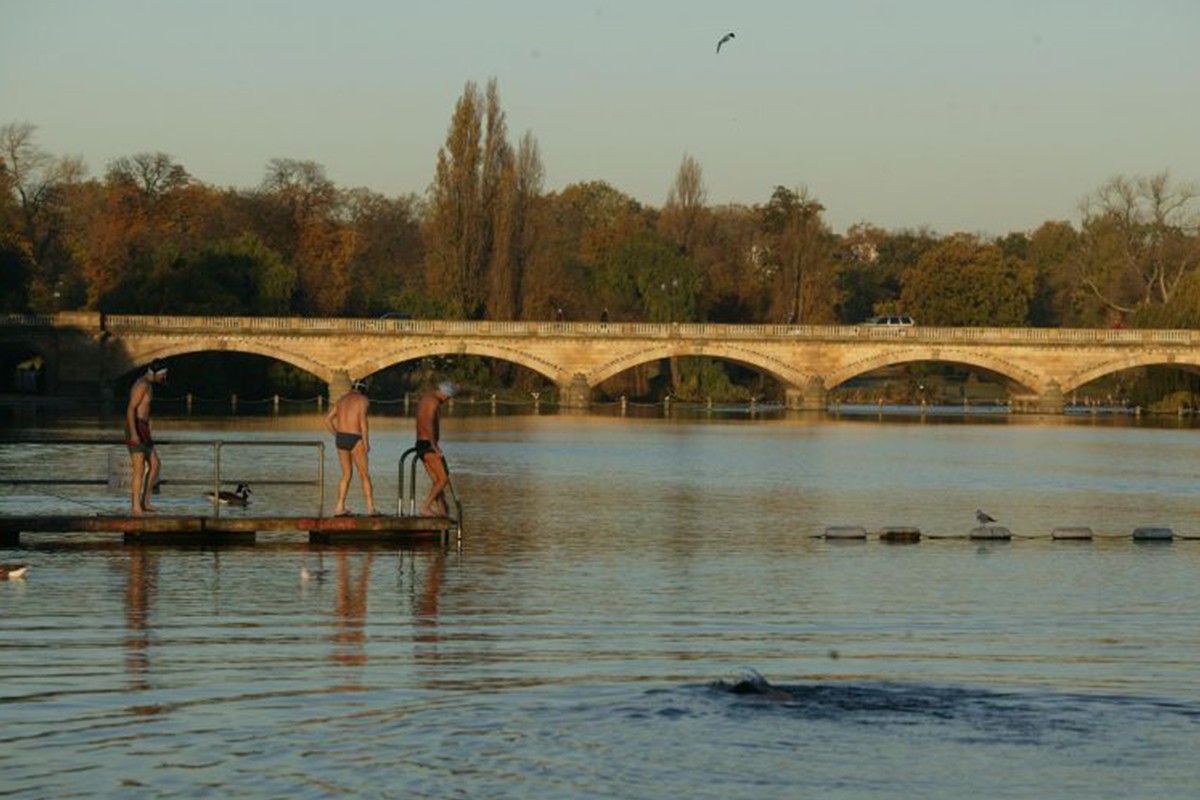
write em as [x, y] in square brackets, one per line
[347, 421]
[429, 450]
[143, 457]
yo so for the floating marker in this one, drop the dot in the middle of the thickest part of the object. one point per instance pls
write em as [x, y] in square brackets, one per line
[845, 532]
[1076, 533]
[991, 532]
[900, 534]
[1153, 534]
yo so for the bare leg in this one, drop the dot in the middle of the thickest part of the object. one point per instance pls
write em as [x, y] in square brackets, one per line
[359, 454]
[344, 483]
[137, 483]
[437, 475]
[151, 479]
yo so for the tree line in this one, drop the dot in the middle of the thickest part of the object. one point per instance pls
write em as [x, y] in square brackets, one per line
[486, 240]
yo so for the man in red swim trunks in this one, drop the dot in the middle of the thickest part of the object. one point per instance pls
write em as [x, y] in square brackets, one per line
[347, 421]
[138, 439]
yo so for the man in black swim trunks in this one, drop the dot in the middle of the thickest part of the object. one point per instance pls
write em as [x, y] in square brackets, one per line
[429, 434]
[143, 457]
[347, 421]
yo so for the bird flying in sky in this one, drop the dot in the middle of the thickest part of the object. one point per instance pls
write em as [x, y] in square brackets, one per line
[724, 39]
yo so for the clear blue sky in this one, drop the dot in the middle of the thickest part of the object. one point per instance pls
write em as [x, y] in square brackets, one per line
[976, 115]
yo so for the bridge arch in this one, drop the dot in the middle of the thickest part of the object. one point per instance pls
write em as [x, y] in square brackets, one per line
[448, 347]
[144, 357]
[780, 370]
[1154, 358]
[1021, 379]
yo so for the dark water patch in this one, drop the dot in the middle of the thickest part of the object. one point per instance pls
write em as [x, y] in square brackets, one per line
[963, 713]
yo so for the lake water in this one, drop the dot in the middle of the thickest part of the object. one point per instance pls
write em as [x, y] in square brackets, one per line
[616, 577]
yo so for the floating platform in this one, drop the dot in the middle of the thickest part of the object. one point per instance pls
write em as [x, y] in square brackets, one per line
[1153, 533]
[1072, 533]
[170, 529]
[845, 532]
[900, 534]
[997, 532]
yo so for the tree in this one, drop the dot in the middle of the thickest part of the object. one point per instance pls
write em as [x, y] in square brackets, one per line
[962, 281]
[1140, 238]
[798, 254]
[153, 174]
[1050, 252]
[305, 227]
[681, 216]
[456, 230]
[512, 245]
[386, 272]
[41, 183]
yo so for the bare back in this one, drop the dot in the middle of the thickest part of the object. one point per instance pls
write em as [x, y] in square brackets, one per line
[349, 414]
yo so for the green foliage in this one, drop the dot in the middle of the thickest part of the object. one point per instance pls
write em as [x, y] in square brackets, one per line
[649, 272]
[702, 379]
[962, 281]
[238, 277]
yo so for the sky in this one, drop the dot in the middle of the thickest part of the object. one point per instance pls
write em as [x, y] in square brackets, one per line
[985, 116]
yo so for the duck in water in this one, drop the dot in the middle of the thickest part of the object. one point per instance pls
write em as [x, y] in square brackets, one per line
[240, 496]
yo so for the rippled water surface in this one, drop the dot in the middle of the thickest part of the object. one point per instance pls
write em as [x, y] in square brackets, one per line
[617, 578]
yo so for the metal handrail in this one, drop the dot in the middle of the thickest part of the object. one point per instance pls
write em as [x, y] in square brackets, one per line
[216, 444]
[411, 494]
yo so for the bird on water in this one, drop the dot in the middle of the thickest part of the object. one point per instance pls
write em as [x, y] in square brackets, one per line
[983, 518]
[240, 496]
[12, 572]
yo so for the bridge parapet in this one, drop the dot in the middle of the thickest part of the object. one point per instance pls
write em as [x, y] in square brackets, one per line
[120, 322]
[86, 349]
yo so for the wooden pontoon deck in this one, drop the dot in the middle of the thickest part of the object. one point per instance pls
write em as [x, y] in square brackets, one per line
[171, 529]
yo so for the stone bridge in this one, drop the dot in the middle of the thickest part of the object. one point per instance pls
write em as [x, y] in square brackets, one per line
[86, 352]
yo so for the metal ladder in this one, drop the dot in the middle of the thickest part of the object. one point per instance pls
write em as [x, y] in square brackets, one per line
[409, 497]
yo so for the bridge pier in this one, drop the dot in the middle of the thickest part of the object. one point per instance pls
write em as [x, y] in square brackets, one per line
[813, 397]
[339, 385]
[1050, 401]
[575, 393]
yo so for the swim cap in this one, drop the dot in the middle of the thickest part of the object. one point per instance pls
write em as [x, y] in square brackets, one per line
[157, 366]
[359, 385]
[446, 388]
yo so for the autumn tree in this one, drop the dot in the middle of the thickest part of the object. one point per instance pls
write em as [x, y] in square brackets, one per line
[797, 257]
[464, 200]
[386, 272]
[1050, 252]
[41, 183]
[512, 228]
[682, 215]
[963, 281]
[1140, 237]
[302, 209]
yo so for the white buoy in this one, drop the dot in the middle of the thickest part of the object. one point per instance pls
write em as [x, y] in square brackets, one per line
[1153, 533]
[1075, 532]
[845, 532]
[990, 532]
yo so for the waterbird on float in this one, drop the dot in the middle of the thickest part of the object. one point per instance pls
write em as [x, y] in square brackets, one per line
[983, 518]
[12, 572]
[240, 496]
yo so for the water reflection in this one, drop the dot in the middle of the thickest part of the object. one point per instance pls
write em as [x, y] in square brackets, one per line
[350, 610]
[141, 585]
